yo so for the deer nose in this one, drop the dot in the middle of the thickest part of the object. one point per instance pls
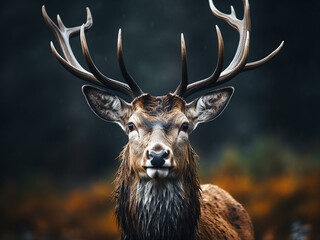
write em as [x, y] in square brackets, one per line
[157, 159]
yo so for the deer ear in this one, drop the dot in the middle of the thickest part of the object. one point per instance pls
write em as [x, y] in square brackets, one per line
[106, 105]
[208, 106]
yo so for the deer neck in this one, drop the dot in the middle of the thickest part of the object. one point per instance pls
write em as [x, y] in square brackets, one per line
[157, 209]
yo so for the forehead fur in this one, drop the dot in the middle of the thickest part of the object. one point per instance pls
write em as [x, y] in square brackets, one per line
[155, 106]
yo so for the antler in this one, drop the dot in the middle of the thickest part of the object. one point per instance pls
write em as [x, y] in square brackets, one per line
[69, 62]
[239, 62]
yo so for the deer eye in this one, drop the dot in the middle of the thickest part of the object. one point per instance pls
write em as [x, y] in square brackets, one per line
[185, 127]
[131, 127]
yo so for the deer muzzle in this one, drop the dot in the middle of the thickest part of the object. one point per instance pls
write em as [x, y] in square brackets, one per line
[157, 161]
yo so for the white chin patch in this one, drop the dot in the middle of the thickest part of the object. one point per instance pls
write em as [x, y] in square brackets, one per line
[157, 172]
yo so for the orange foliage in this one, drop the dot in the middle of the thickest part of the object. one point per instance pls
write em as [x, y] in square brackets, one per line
[78, 214]
[275, 203]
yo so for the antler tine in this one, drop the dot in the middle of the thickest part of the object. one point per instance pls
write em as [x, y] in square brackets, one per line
[74, 31]
[253, 65]
[180, 91]
[231, 18]
[78, 72]
[243, 27]
[69, 62]
[133, 85]
[239, 62]
[210, 81]
[60, 23]
[108, 82]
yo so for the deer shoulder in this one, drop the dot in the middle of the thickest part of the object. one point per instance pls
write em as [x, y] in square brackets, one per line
[222, 216]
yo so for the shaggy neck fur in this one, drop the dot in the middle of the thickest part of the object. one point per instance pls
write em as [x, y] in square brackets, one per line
[157, 209]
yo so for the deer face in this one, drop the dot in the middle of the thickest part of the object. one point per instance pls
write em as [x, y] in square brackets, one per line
[158, 128]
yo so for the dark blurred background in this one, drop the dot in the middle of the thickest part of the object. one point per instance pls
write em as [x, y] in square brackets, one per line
[58, 159]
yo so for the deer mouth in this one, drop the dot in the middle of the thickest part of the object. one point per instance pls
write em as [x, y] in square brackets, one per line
[157, 172]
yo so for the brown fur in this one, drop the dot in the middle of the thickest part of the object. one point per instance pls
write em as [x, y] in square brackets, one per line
[222, 217]
[154, 106]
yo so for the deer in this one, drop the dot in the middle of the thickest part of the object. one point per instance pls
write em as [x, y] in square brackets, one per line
[157, 189]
